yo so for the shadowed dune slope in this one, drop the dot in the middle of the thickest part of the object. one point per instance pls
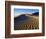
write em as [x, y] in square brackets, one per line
[24, 22]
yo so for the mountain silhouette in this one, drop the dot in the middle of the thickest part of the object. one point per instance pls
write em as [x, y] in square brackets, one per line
[36, 13]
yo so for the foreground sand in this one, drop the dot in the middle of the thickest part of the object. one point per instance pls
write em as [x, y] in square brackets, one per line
[31, 23]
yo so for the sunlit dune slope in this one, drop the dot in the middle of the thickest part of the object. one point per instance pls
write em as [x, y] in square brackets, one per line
[25, 22]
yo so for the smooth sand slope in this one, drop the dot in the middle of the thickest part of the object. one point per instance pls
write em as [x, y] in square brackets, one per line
[26, 22]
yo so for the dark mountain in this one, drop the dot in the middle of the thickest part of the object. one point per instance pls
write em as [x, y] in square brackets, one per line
[36, 13]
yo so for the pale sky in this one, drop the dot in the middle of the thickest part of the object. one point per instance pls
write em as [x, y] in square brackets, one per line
[18, 11]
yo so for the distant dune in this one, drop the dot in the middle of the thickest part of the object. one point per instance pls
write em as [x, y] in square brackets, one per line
[26, 21]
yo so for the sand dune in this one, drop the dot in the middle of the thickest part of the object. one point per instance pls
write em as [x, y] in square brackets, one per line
[31, 22]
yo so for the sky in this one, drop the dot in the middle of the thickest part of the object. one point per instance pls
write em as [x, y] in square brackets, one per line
[18, 11]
